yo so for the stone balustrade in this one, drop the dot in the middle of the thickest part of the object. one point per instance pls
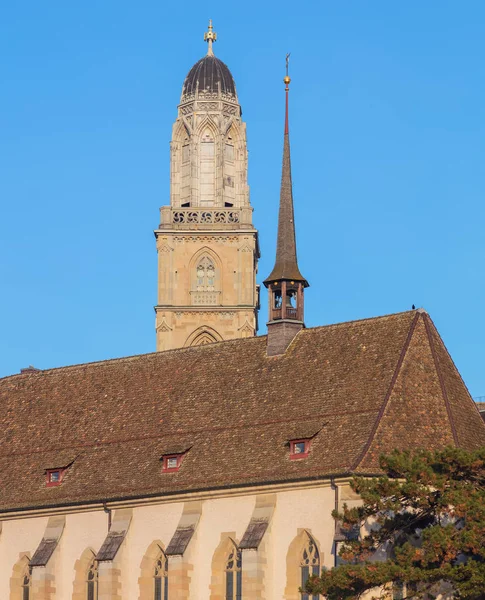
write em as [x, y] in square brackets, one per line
[205, 218]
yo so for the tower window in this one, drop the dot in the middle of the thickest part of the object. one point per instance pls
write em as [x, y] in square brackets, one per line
[206, 275]
[207, 170]
[229, 152]
[299, 449]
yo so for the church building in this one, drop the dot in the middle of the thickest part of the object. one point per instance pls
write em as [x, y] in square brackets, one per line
[166, 477]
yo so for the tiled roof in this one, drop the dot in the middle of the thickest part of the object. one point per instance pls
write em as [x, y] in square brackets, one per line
[286, 263]
[361, 388]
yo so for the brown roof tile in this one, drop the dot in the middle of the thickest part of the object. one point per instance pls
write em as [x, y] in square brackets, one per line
[366, 387]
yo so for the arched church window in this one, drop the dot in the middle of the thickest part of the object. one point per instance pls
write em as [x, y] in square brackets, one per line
[206, 275]
[207, 170]
[160, 578]
[234, 575]
[309, 565]
[26, 584]
[92, 582]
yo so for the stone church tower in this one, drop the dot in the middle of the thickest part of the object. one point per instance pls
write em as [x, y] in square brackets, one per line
[207, 245]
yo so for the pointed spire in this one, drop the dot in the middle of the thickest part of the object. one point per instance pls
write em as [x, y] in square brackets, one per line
[210, 37]
[286, 264]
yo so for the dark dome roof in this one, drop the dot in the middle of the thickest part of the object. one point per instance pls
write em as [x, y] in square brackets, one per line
[207, 74]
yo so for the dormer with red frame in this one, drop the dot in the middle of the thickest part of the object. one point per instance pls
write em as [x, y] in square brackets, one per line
[54, 477]
[55, 474]
[299, 448]
[172, 459]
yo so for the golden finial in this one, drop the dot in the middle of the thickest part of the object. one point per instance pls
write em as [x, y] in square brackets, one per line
[287, 79]
[210, 37]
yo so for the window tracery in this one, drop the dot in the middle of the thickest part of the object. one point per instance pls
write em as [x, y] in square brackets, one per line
[160, 578]
[26, 584]
[92, 582]
[206, 274]
[234, 575]
[309, 565]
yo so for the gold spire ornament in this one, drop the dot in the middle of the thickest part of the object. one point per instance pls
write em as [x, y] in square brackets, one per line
[287, 79]
[210, 37]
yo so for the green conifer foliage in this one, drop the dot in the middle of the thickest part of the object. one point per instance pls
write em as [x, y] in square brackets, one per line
[427, 515]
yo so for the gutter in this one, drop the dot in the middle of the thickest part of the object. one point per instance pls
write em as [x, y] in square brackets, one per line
[335, 489]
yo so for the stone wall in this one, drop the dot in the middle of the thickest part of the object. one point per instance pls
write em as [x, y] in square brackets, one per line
[270, 571]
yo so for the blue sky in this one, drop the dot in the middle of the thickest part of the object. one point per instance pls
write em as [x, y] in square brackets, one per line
[388, 149]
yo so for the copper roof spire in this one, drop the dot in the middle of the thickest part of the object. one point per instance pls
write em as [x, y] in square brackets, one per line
[286, 264]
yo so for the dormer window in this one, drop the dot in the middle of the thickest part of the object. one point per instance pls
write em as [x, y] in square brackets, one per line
[171, 462]
[54, 477]
[299, 449]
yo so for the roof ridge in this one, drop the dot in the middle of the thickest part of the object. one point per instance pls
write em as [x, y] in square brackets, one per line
[395, 375]
[428, 322]
[362, 320]
[130, 358]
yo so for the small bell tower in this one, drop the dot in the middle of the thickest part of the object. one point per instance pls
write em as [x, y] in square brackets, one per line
[285, 284]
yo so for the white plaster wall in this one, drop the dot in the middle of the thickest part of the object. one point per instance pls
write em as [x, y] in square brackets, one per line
[219, 516]
[149, 523]
[306, 508]
[82, 530]
[310, 509]
[17, 537]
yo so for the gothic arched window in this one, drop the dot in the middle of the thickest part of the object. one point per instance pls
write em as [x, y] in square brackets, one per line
[207, 170]
[309, 565]
[206, 275]
[234, 575]
[92, 582]
[26, 581]
[160, 578]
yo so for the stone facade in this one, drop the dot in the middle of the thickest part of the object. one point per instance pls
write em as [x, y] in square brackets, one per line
[297, 513]
[207, 245]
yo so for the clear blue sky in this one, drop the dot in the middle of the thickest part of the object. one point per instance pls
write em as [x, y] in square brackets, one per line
[388, 149]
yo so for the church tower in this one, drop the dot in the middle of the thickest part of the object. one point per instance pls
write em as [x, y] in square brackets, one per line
[286, 285]
[206, 243]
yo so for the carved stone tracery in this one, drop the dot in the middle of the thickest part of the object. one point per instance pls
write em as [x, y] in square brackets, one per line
[208, 192]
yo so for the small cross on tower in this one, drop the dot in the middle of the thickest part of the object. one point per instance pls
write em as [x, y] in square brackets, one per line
[209, 37]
